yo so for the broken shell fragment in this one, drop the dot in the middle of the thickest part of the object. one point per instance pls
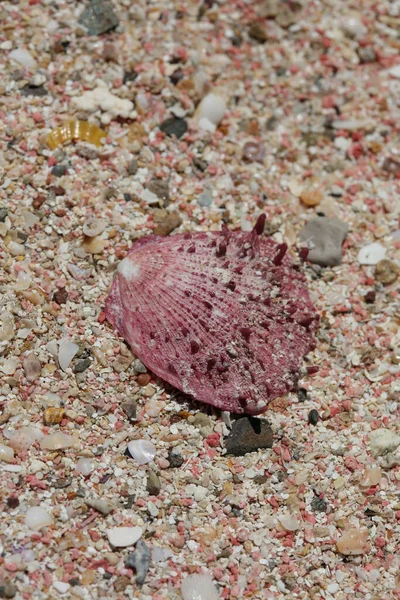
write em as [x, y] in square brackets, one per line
[76, 130]
[223, 316]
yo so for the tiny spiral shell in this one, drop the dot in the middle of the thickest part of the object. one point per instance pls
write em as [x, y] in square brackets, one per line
[75, 130]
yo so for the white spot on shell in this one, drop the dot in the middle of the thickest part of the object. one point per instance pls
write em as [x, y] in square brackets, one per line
[128, 269]
[199, 587]
[142, 451]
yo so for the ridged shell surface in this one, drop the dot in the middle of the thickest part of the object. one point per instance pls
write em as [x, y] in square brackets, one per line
[225, 317]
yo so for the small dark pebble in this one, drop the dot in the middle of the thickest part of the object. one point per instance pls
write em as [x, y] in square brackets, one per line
[174, 126]
[153, 483]
[57, 190]
[132, 167]
[318, 504]
[128, 197]
[105, 478]
[272, 123]
[82, 365]
[248, 434]
[38, 201]
[3, 214]
[7, 590]
[22, 237]
[60, 296]
[121, 583]
[370, 297]
[12, 502]
[99, 17]
[391, 166]
[74, 582]
[129, 409]
[59, 170]
[366, 54]
[62, 482]
[131, 76]
[176, 76]
[370, 512]
[130, 501]
[98, 451]
[258, 32]
[302, 394]
[224, 554]
[313, 417]
[236, 511]
[260, 479]
[175, 460]
[107, 576]
[81, 492]
[160, 188]
[200, 163]
[33, 90]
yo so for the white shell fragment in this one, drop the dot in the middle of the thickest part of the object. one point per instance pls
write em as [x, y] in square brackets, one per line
[289, 522]
[121, 537]
[84, 466]
[142, 451]
[210, 111]
[66, 353]
[6, 453]
[22, 57]
[57, 441]
[37, 517]
[371, 254]
[199, 587]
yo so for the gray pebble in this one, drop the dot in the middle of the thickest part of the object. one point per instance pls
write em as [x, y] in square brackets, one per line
[82, 365]
[132, 167]
[7, 590]
[138, 366]
[139, 560]
[99, 17]
[248, 434]
[324, 237]
[160, 188]
[32, 367]
[59, 170]
[3, 214]
[129, 409]
[205, 199]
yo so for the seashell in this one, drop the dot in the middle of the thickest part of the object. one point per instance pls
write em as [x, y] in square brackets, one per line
[66, 353]
[199, 587]
[75, 130]
[94, 226]
[143, 451]
[6, 453]
[223, 316]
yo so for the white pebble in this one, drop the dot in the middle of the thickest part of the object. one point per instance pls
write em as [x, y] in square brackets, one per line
[121, 537]
[23, 57]
[37, 517]
[394, 71]
[212, 108]
[84, 466]
[199, 587]
[142, 451]
[289, 522]
[371, 254]
[61, 586]
[9, 365]
[57, 441]
[332, 588]
[6, 453]
[66, 353]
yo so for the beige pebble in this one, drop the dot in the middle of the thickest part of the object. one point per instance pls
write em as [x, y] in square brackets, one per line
[371, 476]
[311, 196]
[352, 542]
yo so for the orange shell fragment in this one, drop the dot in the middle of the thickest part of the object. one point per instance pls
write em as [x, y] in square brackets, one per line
[75, 130]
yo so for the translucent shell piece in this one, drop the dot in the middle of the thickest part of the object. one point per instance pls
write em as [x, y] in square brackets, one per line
[75, 130]
[225, 317]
